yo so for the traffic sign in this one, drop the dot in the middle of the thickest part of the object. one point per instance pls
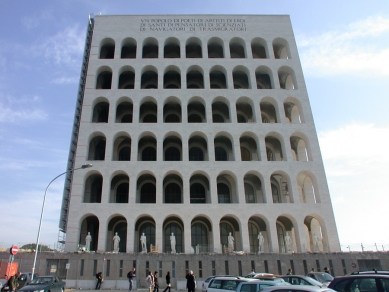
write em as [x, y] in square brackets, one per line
[14, 250]
[67, 266]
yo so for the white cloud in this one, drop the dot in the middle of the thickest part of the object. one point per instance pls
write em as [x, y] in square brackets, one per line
[362, 48]
[33, 21]
[17, 110]
[65, 80]
[356, 160]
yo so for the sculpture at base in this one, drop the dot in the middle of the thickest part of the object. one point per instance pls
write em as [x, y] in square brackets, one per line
[288, 242]
[116, 240]
[230, 243]
[316, 243]
[143, 243]
[88, 240]
[261, 241]
[173, 243]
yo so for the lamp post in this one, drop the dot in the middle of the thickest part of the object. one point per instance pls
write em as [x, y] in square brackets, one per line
[43, 208]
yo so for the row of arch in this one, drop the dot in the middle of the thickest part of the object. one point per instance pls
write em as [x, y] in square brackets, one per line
[196, 110]
[201, 190]
[198, 149]
[280, 236]
[215, 48]
[194, 78]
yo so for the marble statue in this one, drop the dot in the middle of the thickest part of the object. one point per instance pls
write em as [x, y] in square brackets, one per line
[261, 241]
[143, 243]
[116, 240]
[88, 240]
[316, 243]
[173, 243]
[288, 242]
[230, 242]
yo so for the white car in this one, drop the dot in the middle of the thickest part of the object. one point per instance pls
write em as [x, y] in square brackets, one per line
[255, 286]
[297, 288]
[225, 284]
[206, 282]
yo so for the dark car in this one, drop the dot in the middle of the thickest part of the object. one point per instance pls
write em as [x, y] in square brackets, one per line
[361, 283]
[302, 280]
[45, 284]
[322, 277]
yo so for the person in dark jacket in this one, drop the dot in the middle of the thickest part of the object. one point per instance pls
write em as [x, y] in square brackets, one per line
[13, 282]
[156, 286]
[190, 282]
[168, 283]
[99, 280]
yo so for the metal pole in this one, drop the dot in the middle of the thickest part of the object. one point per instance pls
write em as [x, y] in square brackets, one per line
[43, 208]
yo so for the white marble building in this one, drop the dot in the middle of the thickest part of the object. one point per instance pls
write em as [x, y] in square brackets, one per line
[197, 125]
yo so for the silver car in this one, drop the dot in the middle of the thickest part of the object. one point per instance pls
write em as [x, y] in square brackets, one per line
[297, 288]
[225, 284]
[255, 286]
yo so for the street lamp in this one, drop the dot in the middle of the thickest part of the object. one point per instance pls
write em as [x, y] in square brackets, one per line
[87, 165]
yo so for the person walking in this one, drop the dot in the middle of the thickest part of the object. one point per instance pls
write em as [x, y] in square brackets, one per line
[150, 281]
[168, 283]
[190, 282]
[131, 275]
[289, 272]
[156, 285]
[13, 282]
[99, 280]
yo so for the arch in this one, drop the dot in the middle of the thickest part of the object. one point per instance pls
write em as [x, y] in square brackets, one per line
[240, 77]
[287, 78]
[193, 48]
[107, 48]
[100, 111]
[286, 235]
[172, 112]
[250, 146]
[129, 47]
[280, 183]
[316, 234]
[237, 48]
[258, 234]
[308, 188]
[196, 110]
[194, 78]
[226, 188]
[264, 78]
[293, 111]
[201, 234]
[104, 78]
[299, 147]
[119, 191]
[90, 223]
[215, 48]
[172, 149]
[147, 148]
[229, 225]
[198, 148]
[281, 49]
[148, 111]
[117, 225]
[172, 48]
[173, 228]
[253, 189]
[223, 148]
[150, 48]
[244, 111]
[145, 225]
[124, 111]
[93, 188]
[199, 189]
[269, 110]
[172, 78]
[172, 189]
[122, 148]
[149, 79]
[126, 78]
[221, 110]
[97, 147]
[146, 189]
[259, 49]
[217, 78]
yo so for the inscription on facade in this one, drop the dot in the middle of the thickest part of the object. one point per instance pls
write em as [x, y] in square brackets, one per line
[192, 24]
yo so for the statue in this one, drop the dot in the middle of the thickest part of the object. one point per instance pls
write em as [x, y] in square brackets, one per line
[116, 240]
[143, 243]
[230, 242]
[288, 242]
[261, 241]
[316, 243]
[88, 240]
[173, 243]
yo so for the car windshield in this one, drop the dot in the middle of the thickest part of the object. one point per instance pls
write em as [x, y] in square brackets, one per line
[41, 280]
[325, 277]
[313, 281]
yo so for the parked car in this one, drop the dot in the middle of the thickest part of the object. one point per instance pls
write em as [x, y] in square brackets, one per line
[302, 280]
[251, 275]
[255, 286]
[370, 272]
[44, 284]
[297, 288]
[225, 284]
[206, 282]
[322, 277]
[361, 282]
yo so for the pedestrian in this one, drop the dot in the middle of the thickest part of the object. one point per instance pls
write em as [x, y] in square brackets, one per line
[313, 270]
[168, 283]
[131, 274]
[252, 273]
[99, 278]
[13, 282]
[190, 282]
[326, 270]
[150, 281]
[156, 286]
[289, 272]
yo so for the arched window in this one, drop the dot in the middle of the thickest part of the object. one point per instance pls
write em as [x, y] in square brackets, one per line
[197, 194]
[225, 229]
[275, 194]
[223, 194]
[249, 193]
[122, 193]
[148, 193]
[95, 191]
[281, 238]
[196, 154]
[199, 235]
[253, 237]
[149, 231]
[172, 154]
[245, 153]
[220, 154]
[173, 194]
[125, 154]
[176, 229]
[149, 154]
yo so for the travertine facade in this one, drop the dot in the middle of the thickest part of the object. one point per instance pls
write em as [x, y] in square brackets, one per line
[197, 125]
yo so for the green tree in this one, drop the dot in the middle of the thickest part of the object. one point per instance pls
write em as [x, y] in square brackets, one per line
[42, 247]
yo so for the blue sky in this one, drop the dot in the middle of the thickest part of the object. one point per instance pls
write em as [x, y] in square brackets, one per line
[344, 50]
